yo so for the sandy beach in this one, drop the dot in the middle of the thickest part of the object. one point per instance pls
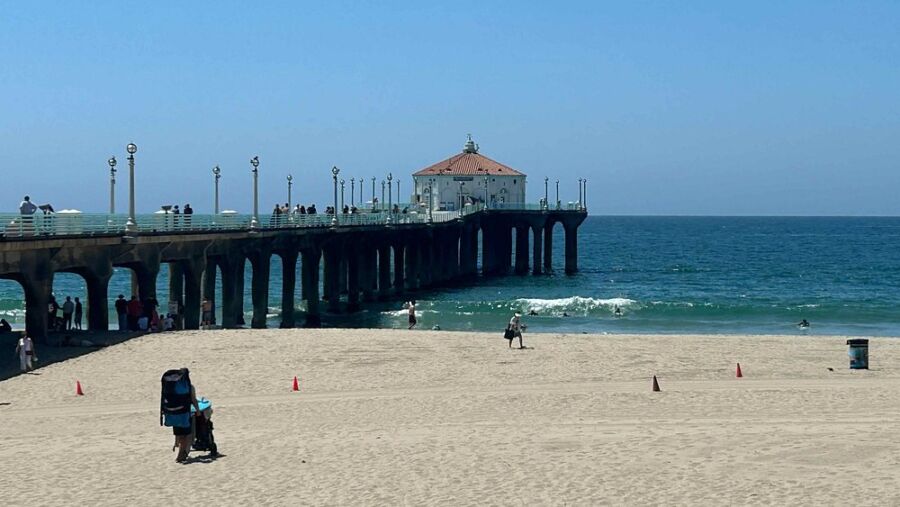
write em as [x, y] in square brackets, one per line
[441, 418]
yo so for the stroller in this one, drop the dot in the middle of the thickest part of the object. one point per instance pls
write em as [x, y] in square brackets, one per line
[203, 428]
[177, 410]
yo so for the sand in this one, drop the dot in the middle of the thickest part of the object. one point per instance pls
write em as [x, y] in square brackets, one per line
[426, 418]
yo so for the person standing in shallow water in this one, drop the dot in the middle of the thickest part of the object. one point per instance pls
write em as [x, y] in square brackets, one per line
[411, 308]
[79, 313]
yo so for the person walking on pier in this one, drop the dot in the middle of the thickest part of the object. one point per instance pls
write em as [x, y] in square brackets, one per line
[122, 312]
[79, 313]
[68, 309]
[25, 350]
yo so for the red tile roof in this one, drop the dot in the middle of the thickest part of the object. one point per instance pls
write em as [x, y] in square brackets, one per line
[468, 163]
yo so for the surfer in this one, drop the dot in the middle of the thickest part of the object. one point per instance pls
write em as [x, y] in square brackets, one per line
[803, 324]
[532, 313]
[617, 311]
[565, 314]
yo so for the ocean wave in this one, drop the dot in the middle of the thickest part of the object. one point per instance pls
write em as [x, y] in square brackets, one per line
[574, 304]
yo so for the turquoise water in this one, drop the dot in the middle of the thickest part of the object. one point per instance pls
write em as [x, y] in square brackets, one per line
[669, 275]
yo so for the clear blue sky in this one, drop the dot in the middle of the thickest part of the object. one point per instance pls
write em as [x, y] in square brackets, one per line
[667, 107]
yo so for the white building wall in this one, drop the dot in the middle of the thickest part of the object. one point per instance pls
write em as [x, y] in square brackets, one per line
[447, 189]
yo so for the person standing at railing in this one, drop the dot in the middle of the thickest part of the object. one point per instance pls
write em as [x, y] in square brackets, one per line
[276, 215]
[27, 209]
[176, 211]
[188, 211]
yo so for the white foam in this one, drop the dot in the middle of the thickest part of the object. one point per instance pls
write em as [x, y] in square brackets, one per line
[572, 304]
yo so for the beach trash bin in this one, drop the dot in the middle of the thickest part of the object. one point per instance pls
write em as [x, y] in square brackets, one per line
[859, 354]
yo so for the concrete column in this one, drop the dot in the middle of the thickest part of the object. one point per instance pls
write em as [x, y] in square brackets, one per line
[506, 246]
[260, 261]
[98, 300]
[310, 280]
[548, 247]
[571, 248]
[454, 257]
[176, 290]
[209, 286]
[522, 249]
[368, 272]
[465, 239]
[146, 279]
[193, 282]
[384, 272]
[342, 275]
[232, 291]
[288, 287]
[412, 266]
[426, 259]
[332, 279]
[536, 251]
[351, 259]
[399, 266]
[472, 252]
[36, 278]
[488, 247]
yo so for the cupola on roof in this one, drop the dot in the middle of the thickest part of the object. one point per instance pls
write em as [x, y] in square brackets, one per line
[468, 163]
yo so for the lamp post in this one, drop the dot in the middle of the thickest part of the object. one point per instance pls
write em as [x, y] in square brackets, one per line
[254, 220]
[546, 197]
[430, 199]
[342, 194]
[557, 194]
[130, 224]
[290, 182]
[334, 173]
[373, 193]
[485, 191]
[112, 185]
[217, 173]
[579, 192]
[459, 199]
[352, 191]
[398, 191]
[584, 199]
[390, 200]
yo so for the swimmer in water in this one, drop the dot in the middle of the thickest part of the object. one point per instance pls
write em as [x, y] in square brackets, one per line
[803, 323]
[617, 311]
[565, 314]
[532, 313]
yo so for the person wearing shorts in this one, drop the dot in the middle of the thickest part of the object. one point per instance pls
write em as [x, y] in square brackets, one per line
[207, 312]
[412, 314]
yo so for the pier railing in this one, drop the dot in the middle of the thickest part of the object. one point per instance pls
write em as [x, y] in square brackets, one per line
[88, 224]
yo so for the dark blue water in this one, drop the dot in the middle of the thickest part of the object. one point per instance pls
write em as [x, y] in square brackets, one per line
[669, 275]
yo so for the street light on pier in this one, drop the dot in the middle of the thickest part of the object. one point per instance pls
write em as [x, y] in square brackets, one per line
[373, 193]
[430, 199]
[557, 194]
[254, 220]
[217, 173]
[290, 182]
[130, 224]
[112, 185]
[334, 173]
[342, 193]
[398, 191]
[390, 200]
[584, 200]
[546, 197]
[485, 191]
[382, 196]
[352, 191]
[459, 198]
[579, 192]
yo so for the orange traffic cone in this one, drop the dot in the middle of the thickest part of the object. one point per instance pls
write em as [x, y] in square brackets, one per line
[78, 390]
[737, 372]
[296, 384]
[655, 385]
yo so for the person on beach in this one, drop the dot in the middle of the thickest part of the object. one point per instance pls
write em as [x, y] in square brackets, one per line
[79, 313]
[515, 325]
[68, 309]
[411, 309]
[25, 350]
[122, 312]
[207, 313]
[52, 310]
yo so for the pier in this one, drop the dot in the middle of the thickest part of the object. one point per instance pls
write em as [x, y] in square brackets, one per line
[347, 260]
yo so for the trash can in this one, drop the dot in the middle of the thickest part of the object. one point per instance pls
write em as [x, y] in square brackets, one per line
[859, 354]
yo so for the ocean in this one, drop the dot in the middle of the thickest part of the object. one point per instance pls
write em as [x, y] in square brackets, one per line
[722, 275]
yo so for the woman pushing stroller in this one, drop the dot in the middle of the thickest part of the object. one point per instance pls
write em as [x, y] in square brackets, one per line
[188, 417]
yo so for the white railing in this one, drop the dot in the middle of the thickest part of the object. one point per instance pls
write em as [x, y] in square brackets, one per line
[88, 224]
